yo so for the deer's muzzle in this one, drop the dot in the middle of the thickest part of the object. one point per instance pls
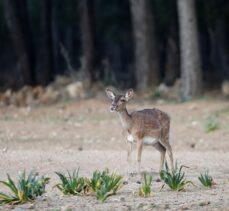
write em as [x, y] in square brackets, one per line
[113, 108]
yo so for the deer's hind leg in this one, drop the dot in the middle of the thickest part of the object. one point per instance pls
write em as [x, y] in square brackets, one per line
[168, 148]
[162, 150]
[165, 142]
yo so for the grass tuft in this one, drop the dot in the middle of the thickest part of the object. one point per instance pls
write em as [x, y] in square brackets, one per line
[104, 184]
[27, 189]
[174, 179]
[206, 180]
[145, 189]
[211, 123]
[71, 184]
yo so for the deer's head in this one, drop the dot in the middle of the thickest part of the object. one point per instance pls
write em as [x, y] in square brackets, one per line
[118, 102]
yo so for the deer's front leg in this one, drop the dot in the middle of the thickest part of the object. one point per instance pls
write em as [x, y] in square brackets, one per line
[130, 141]
[129, 150]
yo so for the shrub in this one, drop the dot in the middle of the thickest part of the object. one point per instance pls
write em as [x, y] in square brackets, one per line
[26, 190]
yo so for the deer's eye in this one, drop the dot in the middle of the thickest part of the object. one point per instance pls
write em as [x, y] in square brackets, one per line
[122, 100]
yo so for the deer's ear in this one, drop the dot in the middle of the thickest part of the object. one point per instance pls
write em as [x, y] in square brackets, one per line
[129, 94]
[110, 94]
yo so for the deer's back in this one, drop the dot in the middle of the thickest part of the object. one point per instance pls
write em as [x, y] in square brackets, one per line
[150, 122]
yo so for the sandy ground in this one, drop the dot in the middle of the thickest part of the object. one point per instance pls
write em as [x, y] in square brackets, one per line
[85, 134]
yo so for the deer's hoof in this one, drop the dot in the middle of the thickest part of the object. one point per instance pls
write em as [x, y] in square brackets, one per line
[125, 183]
[158, 180]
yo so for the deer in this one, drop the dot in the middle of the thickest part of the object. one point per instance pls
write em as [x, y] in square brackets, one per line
[145, 127]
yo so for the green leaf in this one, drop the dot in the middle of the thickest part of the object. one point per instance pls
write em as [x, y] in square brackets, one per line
[206, 179]
[27, 188]
[145, 189]
[176, 179]
[72, 184]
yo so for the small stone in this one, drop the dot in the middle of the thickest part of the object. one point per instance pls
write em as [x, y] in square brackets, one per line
[125, 183]
[80, 148]
[192, 145]
[158, 180]
[204, 203]
[122, 199]
[184, 207]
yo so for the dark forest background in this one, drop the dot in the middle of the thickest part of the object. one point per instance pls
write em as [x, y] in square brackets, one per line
[125, 43]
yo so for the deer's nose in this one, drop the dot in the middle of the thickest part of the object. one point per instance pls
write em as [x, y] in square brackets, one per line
[113, 108]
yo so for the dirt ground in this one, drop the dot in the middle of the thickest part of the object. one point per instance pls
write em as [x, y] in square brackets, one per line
[85, 134]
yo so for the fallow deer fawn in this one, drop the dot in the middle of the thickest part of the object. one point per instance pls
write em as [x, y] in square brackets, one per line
[146, 127]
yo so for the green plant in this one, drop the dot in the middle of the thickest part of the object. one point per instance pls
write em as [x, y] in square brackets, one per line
[211, 123]
[206, 180]
[157, 94]
[71, 184]
[145, 190]
[26, 190]
[110, 184]
[94, 183]
[104, 184]
[175, 179]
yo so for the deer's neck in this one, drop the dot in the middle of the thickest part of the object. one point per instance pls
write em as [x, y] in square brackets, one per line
[125, 119]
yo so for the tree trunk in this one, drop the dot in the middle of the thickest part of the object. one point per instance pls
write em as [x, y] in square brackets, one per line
[55, 36]
[18, 24]
[146, 55]
[172, 65]
[46, 56]
[219, 50]
[172, 62]
[88, 39]
[191, 74]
